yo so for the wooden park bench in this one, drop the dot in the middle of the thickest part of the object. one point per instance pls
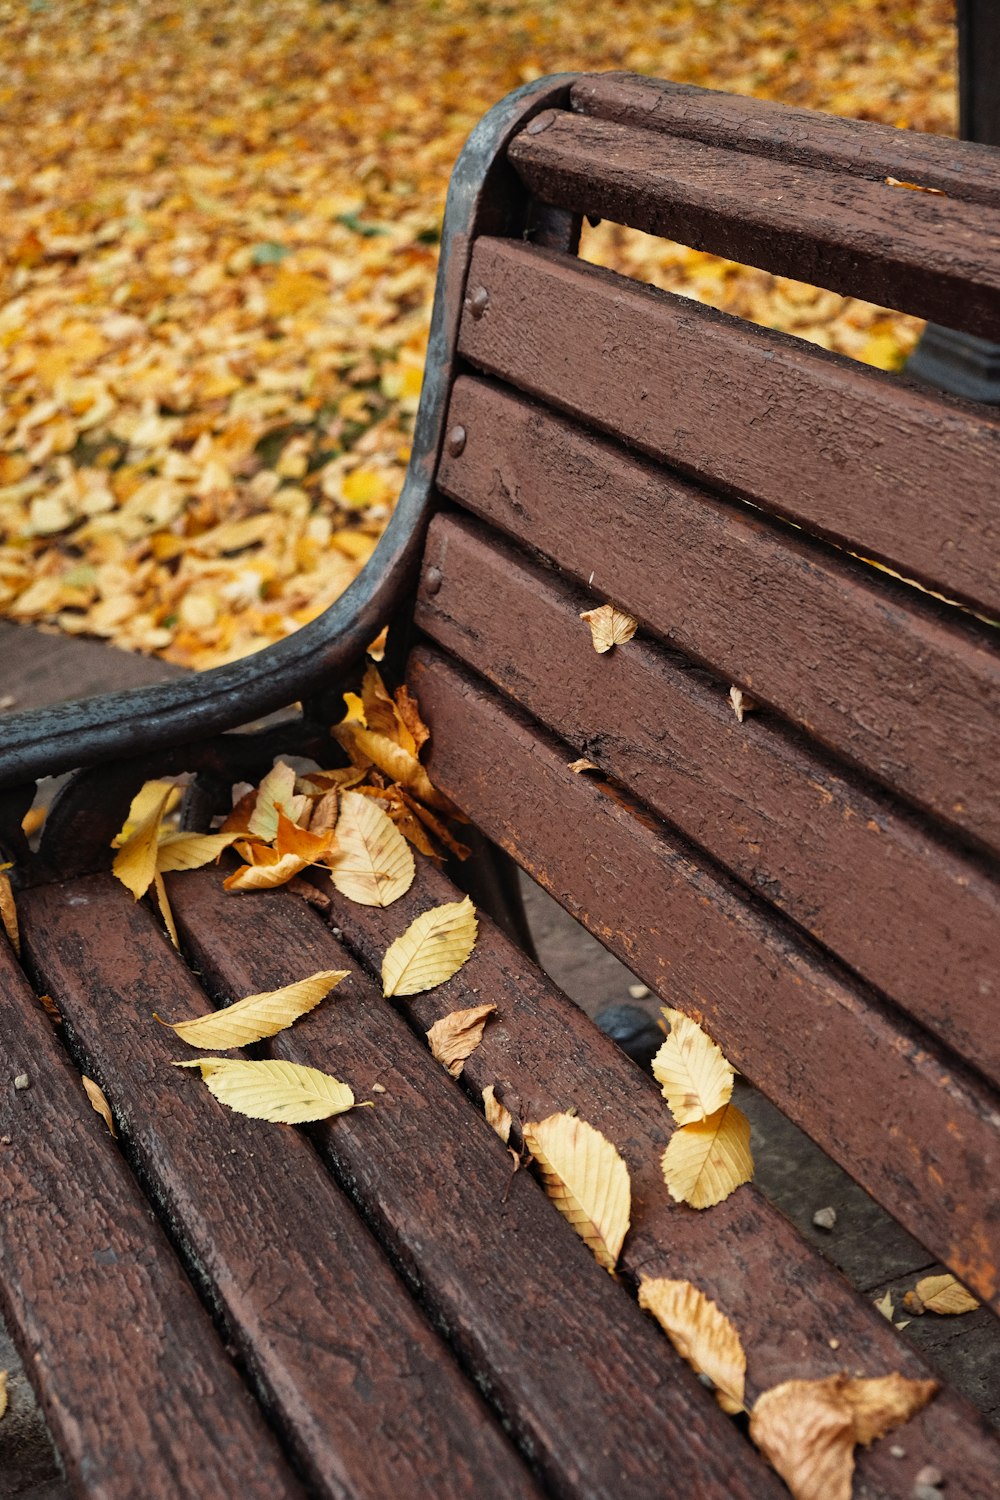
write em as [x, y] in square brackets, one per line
[213, 1306]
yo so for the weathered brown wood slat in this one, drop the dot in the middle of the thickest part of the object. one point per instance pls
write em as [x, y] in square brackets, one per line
[917, 252]
[896, 904]
[104, 1317]
[576, 1370]
[542, 1054]
[869, 667]
[964, 170]
[368, 1398]
[826, 1052]
[848, 452]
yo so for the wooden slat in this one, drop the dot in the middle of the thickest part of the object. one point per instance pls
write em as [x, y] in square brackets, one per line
[889, 470]
[874, 670]
[543, 1054]
[964, 170]
[897, 905]
[578, 1373]
[917, 252]
[829, 1055]
[130, 1372]
[333, 1340]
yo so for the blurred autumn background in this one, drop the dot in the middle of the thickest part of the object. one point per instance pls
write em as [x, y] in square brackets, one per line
[219, 236]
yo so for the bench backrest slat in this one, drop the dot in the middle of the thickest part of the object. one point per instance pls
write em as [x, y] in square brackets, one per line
[965, 170]
[919, 252]
[849, 452]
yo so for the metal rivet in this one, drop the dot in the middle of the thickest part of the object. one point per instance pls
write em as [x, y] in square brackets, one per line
[433, 580]
[540, 122]
[479, 301]
[455, 441]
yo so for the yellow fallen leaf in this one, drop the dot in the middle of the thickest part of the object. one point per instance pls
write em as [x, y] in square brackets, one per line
[708, 1159]
[258, 1016]
[372, 863]
[135, 862]
[742, 703]
[277, 789]
[583, 764]
[609, 626]
[695, 1077]
[586, 1179]
[189, 851]
[808, 1428]
[3, 1392]
[381, 713]
[498, 1116]
[8, 912]
[366, 748]
[940, 1294]
[432, 949]
[96, 1096]
[265, 870]
[701, 1334]
[318, 783]
[288, 1093]
[354, 710]
[303, 843]
[409, 712]
[458, 1034]
[143, 803]
[915, 187]
[163, 902]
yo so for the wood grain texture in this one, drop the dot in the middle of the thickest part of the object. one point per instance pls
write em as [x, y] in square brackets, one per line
[542, 1054]
[917, 252]
[851, 453]
[838, 1063]
[110, 1331]
[905, 688]
[581, 1377]
[965, 170]
[369, 1400]
[897, 904]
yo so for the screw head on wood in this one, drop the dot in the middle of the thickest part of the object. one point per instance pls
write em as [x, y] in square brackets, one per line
[455, 441]
[479, 301]
[433, 580]
[540, 122]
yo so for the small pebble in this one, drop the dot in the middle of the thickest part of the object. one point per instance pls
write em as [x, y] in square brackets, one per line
[834, 1343]
[4, 1140]
[378, 1088]
[825, 1218]
[897, 1451]
[639, 991]
[931, 1476]
[22, 1081]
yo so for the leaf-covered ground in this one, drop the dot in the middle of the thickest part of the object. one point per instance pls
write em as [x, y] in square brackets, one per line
[218, 243]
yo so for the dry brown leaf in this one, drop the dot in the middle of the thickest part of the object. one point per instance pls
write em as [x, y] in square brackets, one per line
[382, 714]
[365, 748]
[498, 1116]
[96, 1096]
[808, 1428]
[3, 1392]
[135, 862]
[701, 1334]
[265, 868]
[325, 812]
[940, 1294]
[257, 1016]
[432, 949]
[915, 187]
[742, 702]
[609, 626]
[238, 820]
[586, 1179]
[372, 863]
[582, 764]
[409, 712]
[691, 1070]
[458, 1034]
[8, 911]
[436, 826]
[318, 783]
[301, 843]
[288, 1093]
[707, 1160]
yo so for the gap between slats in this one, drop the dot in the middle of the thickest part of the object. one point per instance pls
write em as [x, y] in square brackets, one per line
[822, 1049]
[882, 467]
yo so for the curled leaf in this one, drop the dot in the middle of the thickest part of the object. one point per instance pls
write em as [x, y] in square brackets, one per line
[382, 714]
[135, 862]
[276, 790]
[258, 1016]
[707, 1160]
[458, 1034]
[586, 1179]
[432, 949]
[372, 863]
[265, 869]
[742, 703]
[808, 1428]
[145, 800]
[701, 1334]
[498, 1116]
[691, 1070]
[576, 766]
[366, 747]
[288, 1093]
[97, 1098]
[609, 626]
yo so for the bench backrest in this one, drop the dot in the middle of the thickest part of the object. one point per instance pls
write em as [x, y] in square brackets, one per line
[817, 883]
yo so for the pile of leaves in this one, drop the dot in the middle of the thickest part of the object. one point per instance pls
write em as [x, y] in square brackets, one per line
[219, 242]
